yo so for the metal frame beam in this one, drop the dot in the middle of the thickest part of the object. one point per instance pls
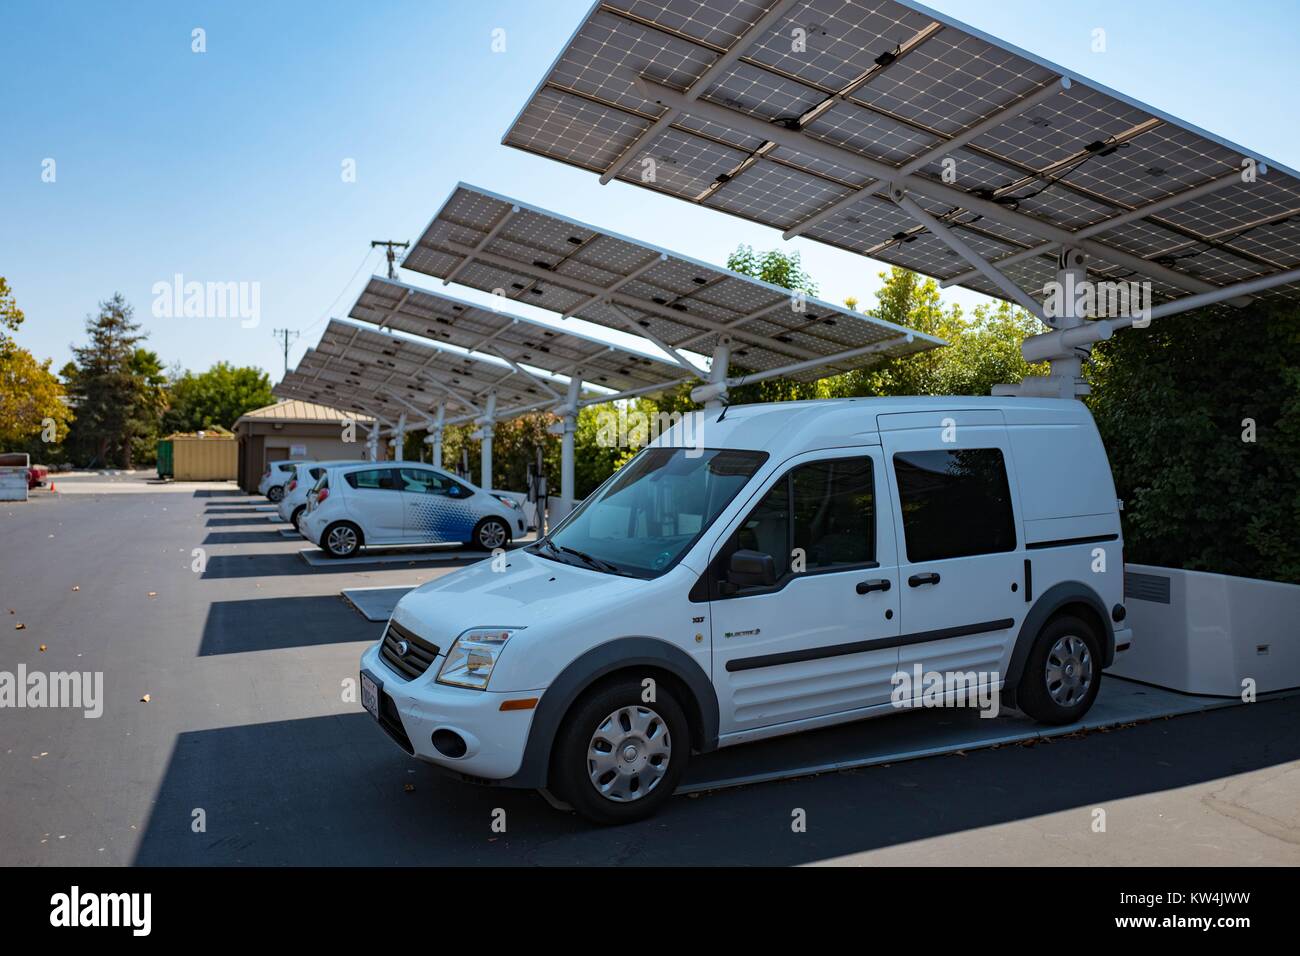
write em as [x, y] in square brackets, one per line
[1056, 86]
[488, 237]
[941, 192]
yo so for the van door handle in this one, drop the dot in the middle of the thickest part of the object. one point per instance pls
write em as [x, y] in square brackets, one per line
[929, 577]
[879, 584]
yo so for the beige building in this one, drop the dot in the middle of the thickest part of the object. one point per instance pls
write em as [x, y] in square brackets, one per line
[295, 429]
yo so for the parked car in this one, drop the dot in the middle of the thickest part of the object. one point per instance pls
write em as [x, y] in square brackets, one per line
[37, 476]
[274, 479]
[784, 577]
[293, 503]
[385, 503]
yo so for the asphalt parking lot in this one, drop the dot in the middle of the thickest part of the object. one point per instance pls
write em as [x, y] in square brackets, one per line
[245, 729]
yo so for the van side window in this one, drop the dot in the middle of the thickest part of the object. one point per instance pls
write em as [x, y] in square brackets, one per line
[825, 510]
[955, 503]
[835, 512]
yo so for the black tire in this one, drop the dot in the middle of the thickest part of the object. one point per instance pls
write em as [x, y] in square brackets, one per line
[329, 549]
[482, 531]
[1049, 691]
[571, 774]
[274, 494]
[296, 516]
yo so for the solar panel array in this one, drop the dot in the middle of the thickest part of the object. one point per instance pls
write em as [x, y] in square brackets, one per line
[395, 305]
[493, 243]
[786, 102]
[354, 368]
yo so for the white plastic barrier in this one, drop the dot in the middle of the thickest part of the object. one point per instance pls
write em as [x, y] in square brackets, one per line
[1204, 633]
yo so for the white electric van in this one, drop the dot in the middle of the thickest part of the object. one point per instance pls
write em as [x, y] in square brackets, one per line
[763, 571]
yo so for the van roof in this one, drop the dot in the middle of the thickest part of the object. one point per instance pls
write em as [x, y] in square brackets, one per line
[791, 427]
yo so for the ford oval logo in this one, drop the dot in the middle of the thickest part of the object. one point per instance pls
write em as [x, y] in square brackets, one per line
[403, 648]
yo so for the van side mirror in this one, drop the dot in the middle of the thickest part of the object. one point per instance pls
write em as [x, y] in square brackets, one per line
[751, 569]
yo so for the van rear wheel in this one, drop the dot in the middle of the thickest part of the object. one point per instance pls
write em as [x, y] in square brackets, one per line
[274, 494]
[1063, 672]
[617, 757]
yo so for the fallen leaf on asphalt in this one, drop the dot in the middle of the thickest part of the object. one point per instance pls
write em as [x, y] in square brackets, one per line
[42, 648]
[144, 699]
[76, 587]
[153, 593]
[408, 787]
[20, 626]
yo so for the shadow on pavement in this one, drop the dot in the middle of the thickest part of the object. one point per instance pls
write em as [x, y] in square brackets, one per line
[275, 623]
[331, 790]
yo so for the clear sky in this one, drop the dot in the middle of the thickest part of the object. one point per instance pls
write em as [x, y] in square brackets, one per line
[225, 166]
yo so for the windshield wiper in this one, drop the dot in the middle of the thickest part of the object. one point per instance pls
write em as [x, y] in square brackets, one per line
[594, 562]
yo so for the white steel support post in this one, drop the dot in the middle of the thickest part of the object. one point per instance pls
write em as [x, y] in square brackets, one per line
[434, 437]
[1070, 342]
[372, 441]
[398, 440]
[714, 394]
[486, 424]
[569, 417]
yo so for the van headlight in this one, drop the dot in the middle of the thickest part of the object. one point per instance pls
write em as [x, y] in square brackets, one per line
[472, 656]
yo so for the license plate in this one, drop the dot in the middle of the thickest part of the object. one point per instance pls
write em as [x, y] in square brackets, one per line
[370, 695]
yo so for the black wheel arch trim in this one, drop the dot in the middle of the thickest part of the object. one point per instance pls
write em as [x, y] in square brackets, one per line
[582, 672]
[1048, 603]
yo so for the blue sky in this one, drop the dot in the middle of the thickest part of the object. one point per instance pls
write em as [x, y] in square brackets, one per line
[225, 166]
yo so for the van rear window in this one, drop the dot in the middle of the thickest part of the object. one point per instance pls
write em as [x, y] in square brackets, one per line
[955, 503]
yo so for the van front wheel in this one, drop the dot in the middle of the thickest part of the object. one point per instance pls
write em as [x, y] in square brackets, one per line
[1063, 672]
[618, 757]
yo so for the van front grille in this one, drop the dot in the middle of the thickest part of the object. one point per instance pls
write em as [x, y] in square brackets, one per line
[419, 655]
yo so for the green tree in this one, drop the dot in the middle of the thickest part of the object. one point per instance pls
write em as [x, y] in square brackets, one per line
[111, 388]
[215, 398]
[1200, 414]
[34, 413]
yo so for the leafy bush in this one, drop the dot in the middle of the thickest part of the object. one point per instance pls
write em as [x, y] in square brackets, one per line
[1175, 404]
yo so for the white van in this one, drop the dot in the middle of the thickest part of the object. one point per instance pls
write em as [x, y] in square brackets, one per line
[781, 573]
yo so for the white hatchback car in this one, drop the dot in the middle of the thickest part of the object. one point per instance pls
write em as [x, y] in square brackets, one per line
[405, 502]
[293, 504]
[275, 477]
[795, 571]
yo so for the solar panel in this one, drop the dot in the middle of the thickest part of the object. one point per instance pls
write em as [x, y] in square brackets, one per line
[513, 338]
[355, 368]
[797, 114]
[497, 244]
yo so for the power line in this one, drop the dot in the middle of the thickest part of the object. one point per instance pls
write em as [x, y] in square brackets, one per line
[285, 334]
[392, 248]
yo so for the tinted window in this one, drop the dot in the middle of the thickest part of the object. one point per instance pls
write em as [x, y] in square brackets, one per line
[835, 512]
[373, 478]
[316, 472]
[955, 503]
[825, 509]
[424, 481]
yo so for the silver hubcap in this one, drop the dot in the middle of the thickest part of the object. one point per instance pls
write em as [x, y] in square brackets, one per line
[1069, 670]
[492, 535]
[628, 754]
[343, 540]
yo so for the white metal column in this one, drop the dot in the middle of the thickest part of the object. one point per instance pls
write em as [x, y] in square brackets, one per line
[714, 394]
[1069, 348]
[486, 425]
[399, 439]
[434, 438]
[560, 507]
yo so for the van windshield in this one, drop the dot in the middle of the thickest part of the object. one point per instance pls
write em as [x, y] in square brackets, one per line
[651, 510]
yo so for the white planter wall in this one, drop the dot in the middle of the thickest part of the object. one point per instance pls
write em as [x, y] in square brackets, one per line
[1204, 633]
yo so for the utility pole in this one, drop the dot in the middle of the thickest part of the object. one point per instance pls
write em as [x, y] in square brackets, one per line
[284, 334]
[392, 254]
